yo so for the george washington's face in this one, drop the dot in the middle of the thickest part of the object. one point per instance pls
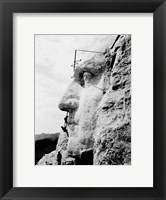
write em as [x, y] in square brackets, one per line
[99, 104]
[81, 100]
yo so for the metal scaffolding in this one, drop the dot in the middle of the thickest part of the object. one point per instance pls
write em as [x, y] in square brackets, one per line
[75, 55]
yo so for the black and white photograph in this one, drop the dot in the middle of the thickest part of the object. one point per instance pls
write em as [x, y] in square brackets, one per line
[82, 99]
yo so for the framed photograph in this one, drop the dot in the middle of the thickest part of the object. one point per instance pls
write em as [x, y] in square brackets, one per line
[82, 99]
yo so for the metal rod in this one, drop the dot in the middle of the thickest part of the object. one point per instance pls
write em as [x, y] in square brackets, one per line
[75, 54]
[89, 51]
[73, 65]
[74, 60]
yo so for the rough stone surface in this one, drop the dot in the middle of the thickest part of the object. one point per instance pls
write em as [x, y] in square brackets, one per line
[113, 128]
[99, 106]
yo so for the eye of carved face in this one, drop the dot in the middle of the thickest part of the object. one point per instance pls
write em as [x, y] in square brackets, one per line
[87, 76]
[84, 77]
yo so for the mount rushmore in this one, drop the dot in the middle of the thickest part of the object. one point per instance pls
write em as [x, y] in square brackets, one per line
[98, 106]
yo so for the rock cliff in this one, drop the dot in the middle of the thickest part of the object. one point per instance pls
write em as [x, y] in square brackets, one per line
[99, 105]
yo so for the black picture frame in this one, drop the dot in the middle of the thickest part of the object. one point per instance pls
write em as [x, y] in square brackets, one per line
[7, 8]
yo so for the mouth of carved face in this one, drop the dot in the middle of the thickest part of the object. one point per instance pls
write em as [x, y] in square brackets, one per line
[72, 124]
[71, 119]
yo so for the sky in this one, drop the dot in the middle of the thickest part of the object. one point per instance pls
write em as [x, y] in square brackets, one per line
[54, 55]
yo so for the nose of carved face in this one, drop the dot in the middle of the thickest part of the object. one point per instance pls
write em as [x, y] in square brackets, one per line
[70, 100]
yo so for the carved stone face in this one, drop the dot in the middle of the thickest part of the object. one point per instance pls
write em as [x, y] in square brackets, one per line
[81, 100]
